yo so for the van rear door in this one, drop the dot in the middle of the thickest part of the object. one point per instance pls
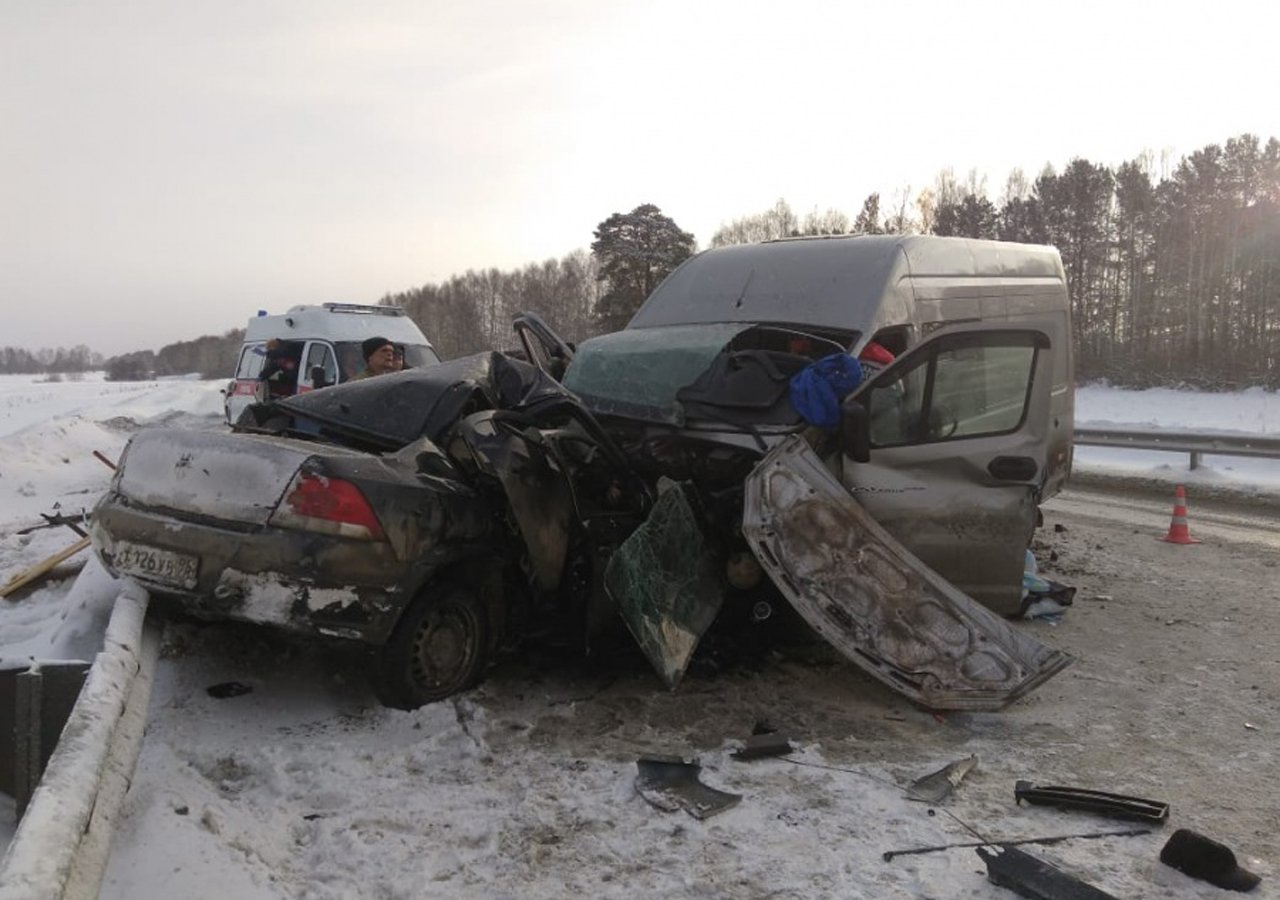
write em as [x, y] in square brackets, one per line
[243, 388]
[959, 429]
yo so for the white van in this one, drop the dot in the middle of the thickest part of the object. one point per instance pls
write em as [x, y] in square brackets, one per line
[950, 448]
[320, 346]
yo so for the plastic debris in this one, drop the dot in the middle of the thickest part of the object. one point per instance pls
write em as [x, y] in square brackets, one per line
[937, 786]
[1117, 806]
[1028, 876]
[671, 784]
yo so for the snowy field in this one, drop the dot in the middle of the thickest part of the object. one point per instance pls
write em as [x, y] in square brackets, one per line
[316, 741]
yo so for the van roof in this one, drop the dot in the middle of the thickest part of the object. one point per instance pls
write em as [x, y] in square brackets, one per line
[835, 282]
[337, 322]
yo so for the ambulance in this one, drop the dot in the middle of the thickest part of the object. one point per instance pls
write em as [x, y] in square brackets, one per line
[311, 347]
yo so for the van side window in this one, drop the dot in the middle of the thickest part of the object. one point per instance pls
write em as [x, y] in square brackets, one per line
[319, 354]
[970, 386]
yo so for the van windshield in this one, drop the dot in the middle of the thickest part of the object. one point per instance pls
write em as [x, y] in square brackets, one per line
[351, 360]
[728, 371]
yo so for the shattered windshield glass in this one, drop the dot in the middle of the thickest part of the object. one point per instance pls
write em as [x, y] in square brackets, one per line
[637, 372]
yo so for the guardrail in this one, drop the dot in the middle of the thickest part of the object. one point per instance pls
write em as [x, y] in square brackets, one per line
[59, 851]
[1194, 443]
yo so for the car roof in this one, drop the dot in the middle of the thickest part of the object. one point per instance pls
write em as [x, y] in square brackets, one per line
[833, 281]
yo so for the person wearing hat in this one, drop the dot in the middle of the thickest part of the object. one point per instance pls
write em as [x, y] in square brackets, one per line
[379, 357]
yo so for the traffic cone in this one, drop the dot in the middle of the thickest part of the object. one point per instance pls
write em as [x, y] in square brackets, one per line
[1178, 532]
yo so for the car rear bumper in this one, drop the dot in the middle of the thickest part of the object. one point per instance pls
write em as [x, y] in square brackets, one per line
[300, 581]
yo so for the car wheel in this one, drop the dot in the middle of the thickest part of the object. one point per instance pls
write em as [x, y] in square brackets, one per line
[439, 647]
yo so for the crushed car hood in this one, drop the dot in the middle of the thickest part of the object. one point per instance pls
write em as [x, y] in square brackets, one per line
[872, 600]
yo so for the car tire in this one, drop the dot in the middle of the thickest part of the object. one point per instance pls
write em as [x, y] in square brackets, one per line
[439, 647]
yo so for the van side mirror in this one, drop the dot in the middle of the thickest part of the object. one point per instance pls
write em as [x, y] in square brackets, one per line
[318, 379]
[855, 430]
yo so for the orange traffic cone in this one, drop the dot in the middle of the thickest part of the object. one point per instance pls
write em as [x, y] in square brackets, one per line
[1178, 532]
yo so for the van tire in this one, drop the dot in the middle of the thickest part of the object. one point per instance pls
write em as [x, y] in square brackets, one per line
[439, 647]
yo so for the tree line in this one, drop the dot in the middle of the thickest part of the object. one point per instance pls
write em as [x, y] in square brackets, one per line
[1173, 276]
[211, 356]
[48, 361]
[1173, 269]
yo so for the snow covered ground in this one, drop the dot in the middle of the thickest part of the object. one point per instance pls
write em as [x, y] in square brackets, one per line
[314, 740]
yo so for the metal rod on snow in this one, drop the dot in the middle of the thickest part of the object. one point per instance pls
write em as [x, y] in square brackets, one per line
[1127, 832]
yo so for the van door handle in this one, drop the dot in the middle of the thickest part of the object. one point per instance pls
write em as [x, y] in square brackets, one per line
[1013, 468]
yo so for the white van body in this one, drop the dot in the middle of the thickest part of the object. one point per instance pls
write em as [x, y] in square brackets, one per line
[964, 320]
[326, 336]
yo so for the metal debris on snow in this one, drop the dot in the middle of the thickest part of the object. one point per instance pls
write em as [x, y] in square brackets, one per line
[671, 783]
[937, 786]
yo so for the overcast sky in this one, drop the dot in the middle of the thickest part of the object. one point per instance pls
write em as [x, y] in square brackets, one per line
[171, 167]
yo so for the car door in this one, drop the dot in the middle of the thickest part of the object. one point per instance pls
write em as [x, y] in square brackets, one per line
[318, 353]
[959, 430]
[243, 389]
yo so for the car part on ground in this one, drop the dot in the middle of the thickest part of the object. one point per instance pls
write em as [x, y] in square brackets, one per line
[1028, 876]
[937, 786]
[889, 855]
[1115, 806]
[764, 746]
[671, 784]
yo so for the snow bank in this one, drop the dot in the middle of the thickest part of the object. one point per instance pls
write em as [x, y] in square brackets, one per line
[61, 844]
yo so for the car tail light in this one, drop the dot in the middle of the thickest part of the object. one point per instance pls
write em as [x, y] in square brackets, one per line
[328, 505]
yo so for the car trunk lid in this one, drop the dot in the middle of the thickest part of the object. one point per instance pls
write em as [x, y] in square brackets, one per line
[222, 476]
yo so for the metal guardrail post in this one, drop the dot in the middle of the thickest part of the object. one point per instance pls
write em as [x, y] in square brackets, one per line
[59, 850]
[1195, 444]
[44, 696]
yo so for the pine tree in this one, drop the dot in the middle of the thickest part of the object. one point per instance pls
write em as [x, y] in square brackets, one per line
[635, 250]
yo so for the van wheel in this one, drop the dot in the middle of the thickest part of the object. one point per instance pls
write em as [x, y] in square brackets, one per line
[439, 647]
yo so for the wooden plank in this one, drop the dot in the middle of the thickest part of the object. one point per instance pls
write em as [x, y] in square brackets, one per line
[40, 570]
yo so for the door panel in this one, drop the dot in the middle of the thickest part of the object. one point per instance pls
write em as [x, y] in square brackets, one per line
[959, 429]
[320, 354]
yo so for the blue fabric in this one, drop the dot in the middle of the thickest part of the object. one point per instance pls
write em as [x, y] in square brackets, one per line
[818, 388]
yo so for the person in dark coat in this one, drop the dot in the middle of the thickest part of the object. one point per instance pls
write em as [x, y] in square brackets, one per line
[379, 358]
[279, 375]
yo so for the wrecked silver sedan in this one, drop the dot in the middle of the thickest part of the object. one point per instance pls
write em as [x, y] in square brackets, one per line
[669, 473]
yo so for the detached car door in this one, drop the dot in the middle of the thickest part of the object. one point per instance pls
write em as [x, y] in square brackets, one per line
[957, 430]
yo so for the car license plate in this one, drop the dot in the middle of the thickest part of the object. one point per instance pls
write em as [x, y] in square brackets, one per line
[152, 564]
